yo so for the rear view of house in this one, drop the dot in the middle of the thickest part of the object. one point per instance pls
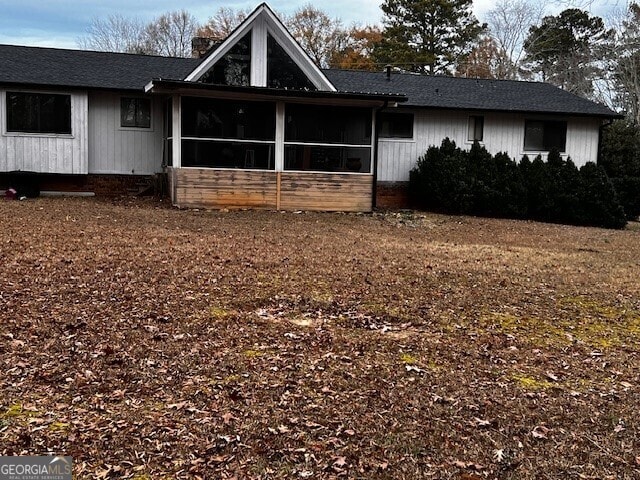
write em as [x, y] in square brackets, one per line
[255, 124]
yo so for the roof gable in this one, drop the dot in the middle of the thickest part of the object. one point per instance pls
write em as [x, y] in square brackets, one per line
[262, 23]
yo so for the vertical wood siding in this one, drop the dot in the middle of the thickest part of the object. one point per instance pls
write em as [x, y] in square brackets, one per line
[46, 153]
[502, 133]
[117, 150]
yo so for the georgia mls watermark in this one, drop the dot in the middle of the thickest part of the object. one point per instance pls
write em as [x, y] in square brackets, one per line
[36, 468]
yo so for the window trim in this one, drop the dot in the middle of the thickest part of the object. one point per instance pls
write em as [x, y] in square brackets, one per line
[410, 139]
[119, 126]
[543, 151]
[4, 121]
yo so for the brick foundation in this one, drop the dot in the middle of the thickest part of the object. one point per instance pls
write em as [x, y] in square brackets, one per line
[102, 185]
[392, 195]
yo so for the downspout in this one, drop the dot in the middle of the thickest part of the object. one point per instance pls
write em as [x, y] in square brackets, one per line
[600, 132]
[376, 137]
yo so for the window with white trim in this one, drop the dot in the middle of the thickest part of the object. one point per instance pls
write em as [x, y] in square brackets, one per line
[44, 113]
[476, 128]
[396, 125]
[545, 135]
[135, 112]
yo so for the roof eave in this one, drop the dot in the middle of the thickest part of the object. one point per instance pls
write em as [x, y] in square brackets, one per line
[186, 87]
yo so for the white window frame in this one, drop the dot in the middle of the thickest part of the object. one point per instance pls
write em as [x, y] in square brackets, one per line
[150, 128]
[4, 120]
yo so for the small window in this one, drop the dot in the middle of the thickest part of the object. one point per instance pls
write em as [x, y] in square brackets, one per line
[476, 128]
[38, 113]
[135, 112]
[396, 125]
[543, 136]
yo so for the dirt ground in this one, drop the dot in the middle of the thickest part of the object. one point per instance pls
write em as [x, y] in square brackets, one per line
[153, 343]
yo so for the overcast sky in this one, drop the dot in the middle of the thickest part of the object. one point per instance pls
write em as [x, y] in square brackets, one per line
[59, 23]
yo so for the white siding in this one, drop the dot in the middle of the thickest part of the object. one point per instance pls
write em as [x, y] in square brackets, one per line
[46, 153]
[117, 150]
[502, 133]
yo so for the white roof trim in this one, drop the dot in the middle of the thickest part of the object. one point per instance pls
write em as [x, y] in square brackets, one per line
[284, 39]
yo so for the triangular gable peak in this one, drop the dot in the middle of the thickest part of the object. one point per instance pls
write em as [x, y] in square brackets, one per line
[263, 54]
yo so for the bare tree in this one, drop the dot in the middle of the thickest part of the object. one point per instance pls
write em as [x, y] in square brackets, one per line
[222, 23]
[626, 63]
[171, 34]
[115, 33]
[509, 22]
[319, 35]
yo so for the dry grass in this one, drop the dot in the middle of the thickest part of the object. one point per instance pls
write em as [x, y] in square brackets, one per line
[151, 343]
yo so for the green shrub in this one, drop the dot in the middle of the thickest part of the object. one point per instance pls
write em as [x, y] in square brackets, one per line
[449, 179]
[620, 158]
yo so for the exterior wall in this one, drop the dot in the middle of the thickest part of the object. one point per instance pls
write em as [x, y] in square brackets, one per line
[117, 150]
[329, 192]
[502, 133]
[46, 153]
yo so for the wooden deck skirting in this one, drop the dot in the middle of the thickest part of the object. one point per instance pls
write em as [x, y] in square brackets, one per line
[217, 188]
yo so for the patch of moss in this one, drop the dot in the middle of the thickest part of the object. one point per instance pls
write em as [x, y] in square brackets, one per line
[58, 427]
[219, 313]
[17, 410]
[530, 383]
[408, 359]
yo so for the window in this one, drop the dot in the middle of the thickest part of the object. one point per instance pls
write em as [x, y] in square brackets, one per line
[228, 134]
[476, 128]
[327, 139]
[545, 135]
[282, 71]
[38, 113]
[135, 112]
[234, 68]
[396, 125]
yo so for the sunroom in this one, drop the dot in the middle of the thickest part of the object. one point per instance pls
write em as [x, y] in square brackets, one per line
[257, 125]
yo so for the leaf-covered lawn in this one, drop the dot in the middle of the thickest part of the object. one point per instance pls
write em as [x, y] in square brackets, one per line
[152, 343]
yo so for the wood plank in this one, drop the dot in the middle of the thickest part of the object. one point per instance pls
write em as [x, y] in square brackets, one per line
[326, 192]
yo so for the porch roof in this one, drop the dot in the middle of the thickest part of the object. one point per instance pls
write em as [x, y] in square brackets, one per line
[266, 93]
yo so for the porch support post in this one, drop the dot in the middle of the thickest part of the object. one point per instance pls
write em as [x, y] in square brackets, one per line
[177, 131]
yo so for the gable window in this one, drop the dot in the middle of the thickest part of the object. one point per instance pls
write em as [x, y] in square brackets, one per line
[234, 68]
[545, 135]
[396, 125]
[476, 128]
[135, 112]
[282, 71]
[38, 113]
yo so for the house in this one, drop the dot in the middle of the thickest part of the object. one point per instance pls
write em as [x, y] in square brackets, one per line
[256, 124]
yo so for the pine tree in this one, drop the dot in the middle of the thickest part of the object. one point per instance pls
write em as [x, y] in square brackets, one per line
[427, 36]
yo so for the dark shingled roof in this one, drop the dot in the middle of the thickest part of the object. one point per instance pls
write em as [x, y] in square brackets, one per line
[119, 71]
[78, 68]
[469, 93]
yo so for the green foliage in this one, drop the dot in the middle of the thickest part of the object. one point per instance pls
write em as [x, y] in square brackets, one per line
[452, 180]
[620, 158]
[566, 50]
[427, 35]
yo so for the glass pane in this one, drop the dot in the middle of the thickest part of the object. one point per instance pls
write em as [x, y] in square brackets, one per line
[202, 153]
[211, 118]
[327, 159]
[396, 125]
[476, 128]
[234, 68]
[38, 113]
[534, 136]
[143, 113]
[555, 136]
[128, 112]
[282, 71]
[319, 124]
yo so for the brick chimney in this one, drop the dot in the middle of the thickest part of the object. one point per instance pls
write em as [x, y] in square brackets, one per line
[200, 46]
